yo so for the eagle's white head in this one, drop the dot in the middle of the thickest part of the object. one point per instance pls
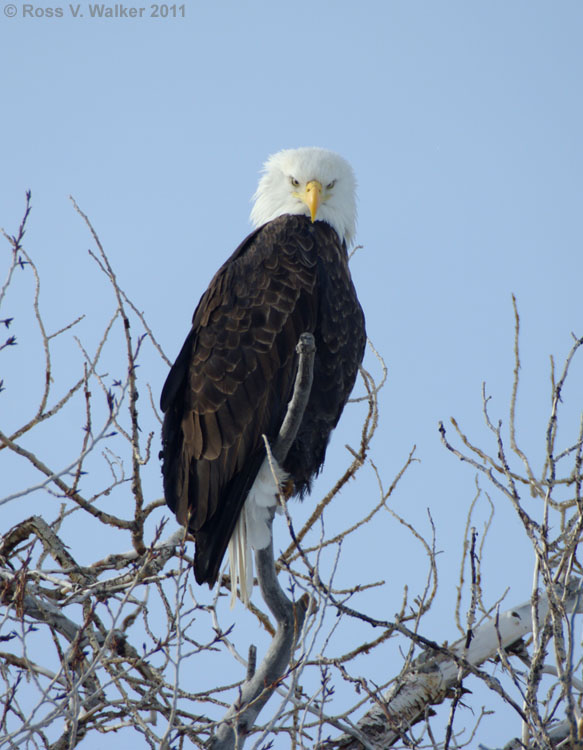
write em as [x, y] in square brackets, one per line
[310, 181]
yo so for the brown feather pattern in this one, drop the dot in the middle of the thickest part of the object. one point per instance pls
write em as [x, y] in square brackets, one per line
[233, 378]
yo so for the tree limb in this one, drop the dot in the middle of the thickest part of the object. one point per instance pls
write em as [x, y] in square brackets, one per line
[430, 677]
[257, 689]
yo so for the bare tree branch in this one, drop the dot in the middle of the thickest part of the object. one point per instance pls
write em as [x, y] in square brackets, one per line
[258, 688]
[431, 677]
[118, 641]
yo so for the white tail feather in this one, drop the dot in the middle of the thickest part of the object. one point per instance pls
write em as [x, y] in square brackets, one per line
[253, 528]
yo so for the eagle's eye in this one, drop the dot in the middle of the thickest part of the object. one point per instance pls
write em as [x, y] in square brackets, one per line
[330, 185]
[295, 183]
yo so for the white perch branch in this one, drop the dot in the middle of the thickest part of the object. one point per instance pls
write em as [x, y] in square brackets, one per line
[258, 688]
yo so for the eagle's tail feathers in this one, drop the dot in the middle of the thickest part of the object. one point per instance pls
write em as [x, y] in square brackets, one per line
[253, 528]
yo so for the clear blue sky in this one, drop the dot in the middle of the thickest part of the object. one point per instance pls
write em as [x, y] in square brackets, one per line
[463, 122]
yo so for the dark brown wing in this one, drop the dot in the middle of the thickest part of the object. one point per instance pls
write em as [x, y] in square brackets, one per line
[233, 379]
[340, 339]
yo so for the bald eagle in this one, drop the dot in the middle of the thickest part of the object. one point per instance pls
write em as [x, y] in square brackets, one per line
[234, 376]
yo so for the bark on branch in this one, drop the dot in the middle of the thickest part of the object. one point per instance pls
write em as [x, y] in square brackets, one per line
[431, 677]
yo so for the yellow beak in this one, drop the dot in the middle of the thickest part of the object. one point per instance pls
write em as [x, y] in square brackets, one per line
[312, 197]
